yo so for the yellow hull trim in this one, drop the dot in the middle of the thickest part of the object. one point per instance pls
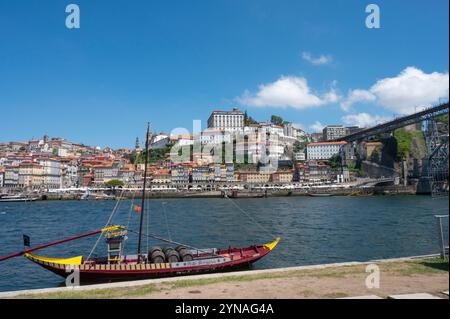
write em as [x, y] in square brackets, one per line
[273, 244]
[62, 261]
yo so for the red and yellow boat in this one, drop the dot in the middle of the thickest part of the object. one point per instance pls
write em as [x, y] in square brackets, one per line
[132, 268]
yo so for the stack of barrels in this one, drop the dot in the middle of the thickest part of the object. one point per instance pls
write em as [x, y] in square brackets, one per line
[170, 255]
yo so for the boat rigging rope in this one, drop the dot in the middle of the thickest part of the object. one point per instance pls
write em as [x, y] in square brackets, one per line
[108, 223]
[268, 232]
[146, 220]
[175, 242]
[167, 222]
[129, 218]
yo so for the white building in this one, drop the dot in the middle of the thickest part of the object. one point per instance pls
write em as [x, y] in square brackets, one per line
[270, 128]
[2, 176]
[215, 136]
[11, 176]
[323, 150]
[183, 140]
[51, 172]
[159, 141]
[300, 156]
[227, 120]
[69, 173]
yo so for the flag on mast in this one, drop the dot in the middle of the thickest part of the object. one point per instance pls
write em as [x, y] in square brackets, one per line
[26, 240]
[137, 208]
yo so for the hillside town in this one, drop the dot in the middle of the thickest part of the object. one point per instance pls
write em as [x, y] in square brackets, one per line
[308, 159]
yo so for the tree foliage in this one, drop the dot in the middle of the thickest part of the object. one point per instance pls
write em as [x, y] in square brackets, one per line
[335, 162]
[276, 120]
[248, 119]
[114, 183]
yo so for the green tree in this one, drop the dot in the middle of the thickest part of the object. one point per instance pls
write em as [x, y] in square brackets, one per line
[248, 119]
[404, 139]
[114, 183]
[335, 162]
[298, 146]
[276, 120]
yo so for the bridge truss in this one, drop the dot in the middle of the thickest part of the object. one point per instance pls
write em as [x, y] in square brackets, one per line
[437, 143]
[390, 126]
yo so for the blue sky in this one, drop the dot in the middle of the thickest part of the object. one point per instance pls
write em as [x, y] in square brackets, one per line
[170, 62]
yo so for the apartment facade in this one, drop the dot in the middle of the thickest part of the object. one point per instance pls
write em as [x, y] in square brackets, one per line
[254, 177]
[180, 175]
[2, 176]
[51, 173]
[31, 175]
[332, 132]
[323, 150]
[312, 173]
[11, 176]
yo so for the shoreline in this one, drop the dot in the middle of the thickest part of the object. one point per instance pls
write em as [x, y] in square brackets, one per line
[323, 192]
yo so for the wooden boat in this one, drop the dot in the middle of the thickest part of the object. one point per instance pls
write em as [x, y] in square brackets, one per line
[244, 194]
[157, 262]
[320, 194]
[133, 268]
[17, 198]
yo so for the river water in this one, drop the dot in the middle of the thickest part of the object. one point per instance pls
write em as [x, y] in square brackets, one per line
[313, 230]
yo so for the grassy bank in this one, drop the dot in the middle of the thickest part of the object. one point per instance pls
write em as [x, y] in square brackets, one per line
[400, 270]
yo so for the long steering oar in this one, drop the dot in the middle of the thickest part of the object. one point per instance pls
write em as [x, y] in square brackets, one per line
[20, 253]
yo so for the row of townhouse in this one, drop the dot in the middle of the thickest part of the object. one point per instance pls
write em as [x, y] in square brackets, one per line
[32, 173]
[260, 177]
[312, 172]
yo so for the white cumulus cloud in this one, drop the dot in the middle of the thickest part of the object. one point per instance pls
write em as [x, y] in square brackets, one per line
[403, 93]
[411, 88]
[321, 60]
[364, 119]
[287, 91]
[355, 96]
[317, 127]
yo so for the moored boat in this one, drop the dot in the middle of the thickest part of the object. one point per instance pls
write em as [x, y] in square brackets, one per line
[131, 267]
[247, 194]
[320, 194]
[17, 198]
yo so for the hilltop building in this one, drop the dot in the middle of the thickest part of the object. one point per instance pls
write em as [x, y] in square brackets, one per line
[227, 120]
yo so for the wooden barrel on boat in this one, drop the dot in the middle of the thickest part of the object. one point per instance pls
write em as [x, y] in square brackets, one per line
[155, 248]
[185, 255]
[157, 257]
[178, 248]
[172, 256]
[166, 249]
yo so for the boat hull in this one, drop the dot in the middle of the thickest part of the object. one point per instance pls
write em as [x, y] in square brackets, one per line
[227, 260]
[17, 200]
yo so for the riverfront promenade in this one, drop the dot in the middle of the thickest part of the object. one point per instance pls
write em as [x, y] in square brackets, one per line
[423, 274]
[109, 194]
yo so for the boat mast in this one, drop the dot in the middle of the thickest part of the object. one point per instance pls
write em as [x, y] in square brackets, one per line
[143, 191]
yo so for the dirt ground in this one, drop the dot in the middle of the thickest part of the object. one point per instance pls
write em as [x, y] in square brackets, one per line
[304, 288]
